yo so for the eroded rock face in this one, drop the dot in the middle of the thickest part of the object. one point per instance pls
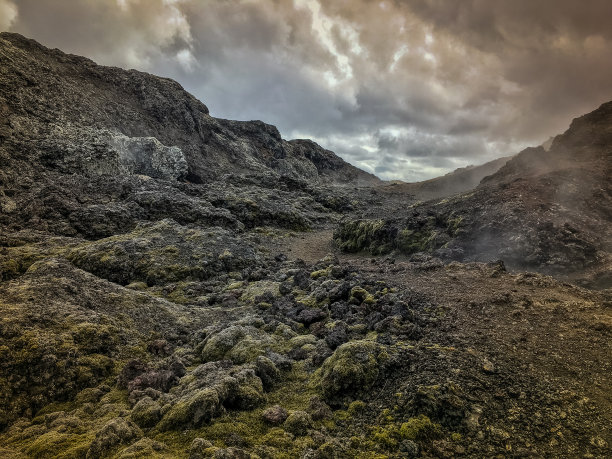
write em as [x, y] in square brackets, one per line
[147, 156]
[103, 152]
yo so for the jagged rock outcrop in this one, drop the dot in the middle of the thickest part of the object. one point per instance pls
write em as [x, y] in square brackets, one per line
[94, 152]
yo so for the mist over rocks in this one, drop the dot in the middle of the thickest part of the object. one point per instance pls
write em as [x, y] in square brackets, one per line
[176, 285]
[544, 210]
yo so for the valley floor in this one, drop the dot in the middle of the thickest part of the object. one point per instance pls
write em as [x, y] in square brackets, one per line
[315, 353]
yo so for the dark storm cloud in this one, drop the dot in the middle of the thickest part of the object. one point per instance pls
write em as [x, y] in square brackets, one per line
[404, 88]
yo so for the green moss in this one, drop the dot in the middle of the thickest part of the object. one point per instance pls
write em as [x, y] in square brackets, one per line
[170, 250]
[247, 350]
[57, 406]
[295, 392]
[298, 423]
[15, 261]
[247, 397]
[178, 295]
[146, 413]
[218, 345]
[308, 300]
[235, 285]
[342, 415]
[278, 438]
[60, 444]
[95, 338]
[320, 273]
[137, 286]
[453, 225]
[256, 289]
[357, 407]
[116, 396]
[301, 340]
[10, 269]
[284, 331]
[201, 407]
[374, 236]
[412, 241]
[419, 428]
[238, 343]
[353, 368]
[93, 368]
[361, 295]
[145, 448]
[358, 295]
[386, 436]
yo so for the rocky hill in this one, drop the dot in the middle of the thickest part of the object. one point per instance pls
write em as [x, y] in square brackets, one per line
[549, 211]
[53, 100]
[80, 141]
[169, 287]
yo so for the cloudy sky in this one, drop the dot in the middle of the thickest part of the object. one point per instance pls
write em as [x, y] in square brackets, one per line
[406, 89]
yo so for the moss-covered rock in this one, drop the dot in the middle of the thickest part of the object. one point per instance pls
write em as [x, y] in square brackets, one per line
[267, 371]
[114, 433]
[144, 448]
[298, 423]
[219, 344]
[192, 412]
[241, 344]
[419, 428]
[200, 448]
[55, 440]
[146, 413]
[375, 236]
[248, 393]
[352, 369]
[248, 349]
[162, 252]
[417, 234]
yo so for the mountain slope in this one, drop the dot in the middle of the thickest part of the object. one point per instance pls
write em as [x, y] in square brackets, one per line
[549, 211]
[78, 143]
[49, 96]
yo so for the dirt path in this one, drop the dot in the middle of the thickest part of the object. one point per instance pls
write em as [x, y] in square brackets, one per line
[309, 246]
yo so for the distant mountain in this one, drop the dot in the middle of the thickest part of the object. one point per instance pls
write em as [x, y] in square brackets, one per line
[549, 211]
[457, 181]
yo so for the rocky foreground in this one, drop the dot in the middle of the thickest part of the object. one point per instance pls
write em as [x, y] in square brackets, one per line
[169, 286]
